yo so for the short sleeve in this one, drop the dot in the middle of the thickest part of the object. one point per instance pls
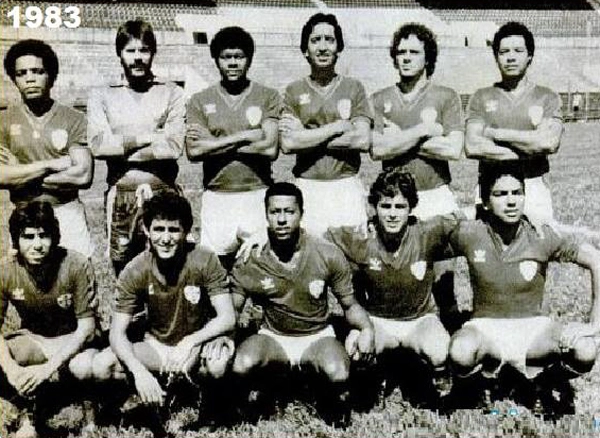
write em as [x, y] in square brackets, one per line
[85, 300]
[214, 276]
[352, 241]
[452, 117]
[552, 106]
[78, 134]
[289, 105]
[559, 248]
[194, 112]
[237, 276]
[439, 230]
[130, 287]
[476, 108]
[378, 122]
[340, 276]
[272, 108]
[361, 107]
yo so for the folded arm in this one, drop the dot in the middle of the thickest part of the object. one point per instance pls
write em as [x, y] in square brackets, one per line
[545, 139]
[296, 138]
[480, 147]
[78, 175]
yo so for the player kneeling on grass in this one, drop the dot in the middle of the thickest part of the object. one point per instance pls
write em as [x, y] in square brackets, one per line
[290, 279]
[393, 260]
[185, 290]
[507, 261]
[53, 292]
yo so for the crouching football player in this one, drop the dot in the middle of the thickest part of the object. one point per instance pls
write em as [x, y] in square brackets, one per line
[289, 279]
[53, 292]
[393, 261]
[507, 261]
[185, 291]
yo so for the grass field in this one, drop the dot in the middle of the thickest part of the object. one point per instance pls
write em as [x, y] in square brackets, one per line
[576, 193]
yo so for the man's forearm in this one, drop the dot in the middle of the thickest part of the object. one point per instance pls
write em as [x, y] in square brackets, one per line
[8, 364]
[73, 345]
[215, 327]
[358, 317]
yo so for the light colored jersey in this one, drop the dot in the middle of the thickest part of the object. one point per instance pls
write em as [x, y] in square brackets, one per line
[294, 298]
[215, 110]
[174, 310]
[509, 282]
[346, 99]
[396, 285]
[497, 108]
[434, 104]
[50, 301]
[30, 138]
[117, 114]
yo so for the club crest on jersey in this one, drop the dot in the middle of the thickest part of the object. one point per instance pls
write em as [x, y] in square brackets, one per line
[536, 114]
[267, 283]
[387, 106]
[316, 288]
[210, 108]
[374, 264]
[344, 107]
[304, 99]
[429, 115]
[15, 130]
[59, 138]
[65, 301]
[418, 269]
[253, 115]
[479, 256]
[192, 294]
[18, 294]
[528, 269]
[150, 289]
[491, 106]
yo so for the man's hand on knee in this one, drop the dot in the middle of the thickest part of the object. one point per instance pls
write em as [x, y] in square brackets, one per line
[148, 388]
[32, 376]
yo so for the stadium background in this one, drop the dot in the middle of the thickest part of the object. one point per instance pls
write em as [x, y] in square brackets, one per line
[567, 59]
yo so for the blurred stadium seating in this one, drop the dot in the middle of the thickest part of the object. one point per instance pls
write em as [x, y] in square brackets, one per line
[567, 58]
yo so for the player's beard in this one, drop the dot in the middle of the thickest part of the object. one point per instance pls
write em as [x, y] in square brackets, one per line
[140, 83]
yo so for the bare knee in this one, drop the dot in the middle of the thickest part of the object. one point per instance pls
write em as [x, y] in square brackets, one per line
[435, 350]
[336, 371]
[245, 362]
[104, 364]
[81, 366]
[216, 368]
[464, 348]
[584, 354]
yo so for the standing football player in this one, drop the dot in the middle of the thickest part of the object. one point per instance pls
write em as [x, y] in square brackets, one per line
[138, 129]
[516, 120]
[232, 129]
[43, 153]
[326, 122]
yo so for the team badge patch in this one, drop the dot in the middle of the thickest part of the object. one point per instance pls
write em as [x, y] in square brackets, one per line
[253, 115]
[304, 99]
[15, 130]
[418, 269]
[316, 288]
[18, 294]
[536, 114]
[374, 264]
[192, 294]
[59, 138]
[528, 269]
[65, 301]
[387, 106]
[150, 289]
[429, 115]
[344, 107]
[479, 256]
[210, 108]
[491, 106]
[267, 283]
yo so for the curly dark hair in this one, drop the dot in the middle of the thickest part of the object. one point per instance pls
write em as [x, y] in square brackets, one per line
[168, 206]
[489, 178]
[513, 28]
[35, 48]
[233, 37]
[34, 214]
[423, 34]
[317, 19]
[391, 182]
[138, 29]
[285, 189]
